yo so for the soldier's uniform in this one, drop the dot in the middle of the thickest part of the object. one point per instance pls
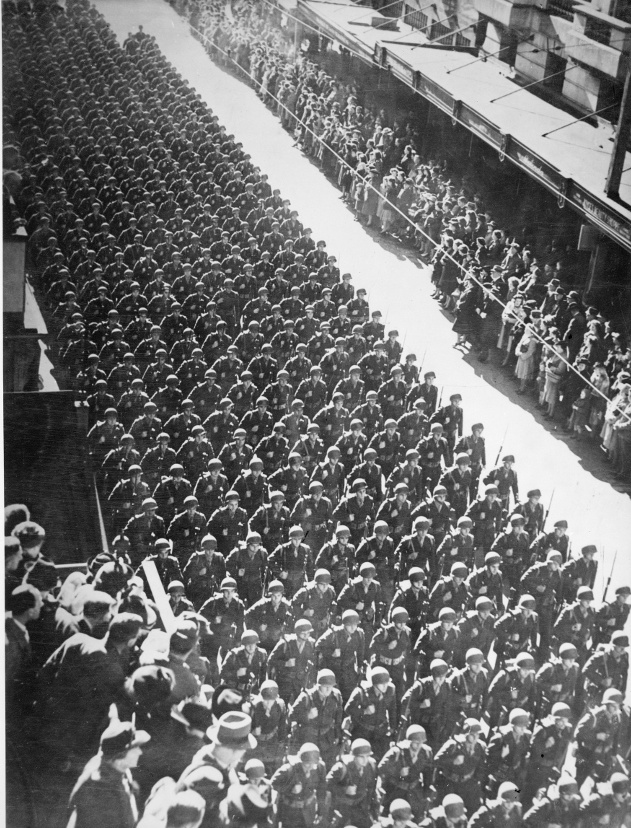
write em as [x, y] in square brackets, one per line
[544, 582]
[461, 766]
[315, 717]
[316, 602]
[247, 563]
[508, 752]
[337, 557]
[513, 687]
[468, 688]
[486, 515]
[302, 794]
[371, 713]
[228, 525]
[313, 513]
[292, 663]
[211, 488]
[352, 784]
[243, 671]
[607, 667]
[437, 640]
[186, 530]
[556, 680]
[204, 572]
[271, 619]
[562, 810]
[269, 726]
[516, 630]
[364, 595]
[406, 772]
[550, 742]
[425, 704]
[341, 649]
[225, 618]
[390, 647]
[476, 628]
[575, 623]
[356, 511]
[600, 735]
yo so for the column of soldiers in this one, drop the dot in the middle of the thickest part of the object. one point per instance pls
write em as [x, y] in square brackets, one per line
[412, 644]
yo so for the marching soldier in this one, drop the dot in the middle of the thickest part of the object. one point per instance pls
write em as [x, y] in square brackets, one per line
[143, 530]
[576, 623]
[469, 687]
[247, 563]
[437, 640]
[302, 791]
[474, 445]
[228, 523]
[612, 617]
[224, 611]
[341, 649]
[317, 715]
[450, 417]
[271, 521]
[533, 513]
[204, 571]
[316, 601]
[292, 661]
[476, 628]
[505, 810]
[337, 557]
[543, 580]
[550, 810]
[557, 679]
[457, 481]
[269, 726]
[607, 667]
[579, 572]
[271, 616]
[352, 782]
[390, 648]
[413, 596]
[314, 513]
[505, 478]
[211, 487]
[425, 704]
[486, 515]
[364, 595]
[186, 530]
[434, 455]
[608, 808]
[456, 547]
[292, 562]
[512, 547]
[508, 752]
[516, 630]
[450, 592]
[244, 667]
[416, 550]
[601, 735]
[357, 511]
[550, 742]
[461, 765]
[512, 687]
[371, 711]
[397, 513]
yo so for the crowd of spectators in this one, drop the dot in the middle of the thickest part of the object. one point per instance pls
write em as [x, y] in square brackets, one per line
[308, 614]
[540, 326]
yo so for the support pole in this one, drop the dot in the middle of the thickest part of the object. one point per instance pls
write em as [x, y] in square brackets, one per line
[612, 186]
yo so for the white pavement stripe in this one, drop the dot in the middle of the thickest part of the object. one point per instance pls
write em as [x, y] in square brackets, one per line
[397, 286]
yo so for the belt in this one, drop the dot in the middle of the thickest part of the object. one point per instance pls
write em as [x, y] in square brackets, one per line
[391, 662]
[265, 737]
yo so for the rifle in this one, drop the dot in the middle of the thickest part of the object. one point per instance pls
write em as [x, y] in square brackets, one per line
[499, 452]
[422, 364]
[610, 575]
[545, 519]
[440, 398]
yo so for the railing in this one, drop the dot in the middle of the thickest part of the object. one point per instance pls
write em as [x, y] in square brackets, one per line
[562, 8]
[413, 17]
[438, 30]
[598, 30]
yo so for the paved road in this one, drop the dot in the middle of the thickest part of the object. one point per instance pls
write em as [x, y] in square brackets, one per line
[399, 286]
